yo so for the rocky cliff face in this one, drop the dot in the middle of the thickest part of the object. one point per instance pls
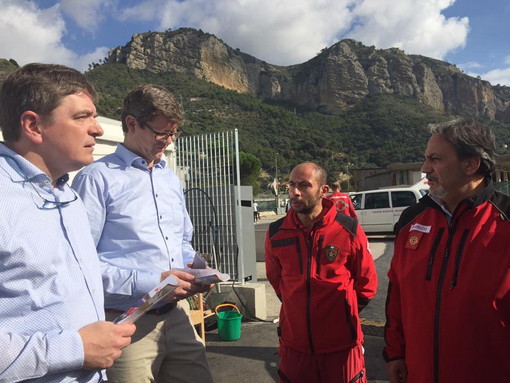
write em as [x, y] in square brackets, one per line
[334, 80]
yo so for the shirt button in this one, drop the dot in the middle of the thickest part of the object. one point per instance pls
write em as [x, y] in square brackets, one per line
[160, 216]
[166, 238]
[172, 259]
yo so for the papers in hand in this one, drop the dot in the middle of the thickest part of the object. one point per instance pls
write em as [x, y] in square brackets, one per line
[203, 275]
[149, 300]
[208, 276]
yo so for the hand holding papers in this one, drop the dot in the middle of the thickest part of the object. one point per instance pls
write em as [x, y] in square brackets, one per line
[149, 300]
[204, 275]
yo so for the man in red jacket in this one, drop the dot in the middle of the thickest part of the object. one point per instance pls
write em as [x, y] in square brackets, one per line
[319, 264]
[342, 201]
[448, 305]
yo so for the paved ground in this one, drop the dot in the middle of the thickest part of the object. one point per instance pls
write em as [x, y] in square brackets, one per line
[253, 358]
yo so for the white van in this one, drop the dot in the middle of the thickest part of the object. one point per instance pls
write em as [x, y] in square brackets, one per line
[379, 210]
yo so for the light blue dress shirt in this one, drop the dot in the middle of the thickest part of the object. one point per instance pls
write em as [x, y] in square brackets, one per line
[139, 222]
[50, 281]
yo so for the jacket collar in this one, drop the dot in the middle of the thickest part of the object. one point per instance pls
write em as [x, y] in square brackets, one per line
[471, 202]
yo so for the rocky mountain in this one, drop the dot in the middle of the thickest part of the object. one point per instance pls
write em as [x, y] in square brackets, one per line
[331, 82]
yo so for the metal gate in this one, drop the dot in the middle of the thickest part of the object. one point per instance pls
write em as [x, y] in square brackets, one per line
[208, 166]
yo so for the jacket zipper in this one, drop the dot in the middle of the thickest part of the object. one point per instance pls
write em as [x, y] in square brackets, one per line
[308, 290]
[444, 266]
[319, 254]
[438, 307]
[433, 250]
[458, 257]
[358, 376]
[300, 255]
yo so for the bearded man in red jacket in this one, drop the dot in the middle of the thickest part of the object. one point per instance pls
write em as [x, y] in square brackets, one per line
[320, 266]
[448, 305]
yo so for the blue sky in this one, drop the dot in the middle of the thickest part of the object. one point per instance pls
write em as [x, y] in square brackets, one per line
[472, 34]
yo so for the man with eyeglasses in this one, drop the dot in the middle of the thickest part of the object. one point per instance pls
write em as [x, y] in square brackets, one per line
[52, 326]
[142, 232]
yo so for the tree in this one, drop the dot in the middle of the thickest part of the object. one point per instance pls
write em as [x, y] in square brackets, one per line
[250, 169]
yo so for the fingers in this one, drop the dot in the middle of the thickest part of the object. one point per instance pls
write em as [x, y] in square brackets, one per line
[182, 275]
[103, 341]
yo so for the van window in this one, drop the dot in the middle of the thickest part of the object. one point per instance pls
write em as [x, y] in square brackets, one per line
[356, 201]
[402, 198]
[377, 200]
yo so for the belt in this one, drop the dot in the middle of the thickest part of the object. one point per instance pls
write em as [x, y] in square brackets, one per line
[159, 311]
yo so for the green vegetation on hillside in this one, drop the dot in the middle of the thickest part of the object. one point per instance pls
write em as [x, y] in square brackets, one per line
[378, 131]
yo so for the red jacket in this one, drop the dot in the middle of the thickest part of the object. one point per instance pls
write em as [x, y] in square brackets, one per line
[343, 204]
[448, 305]
[321, 277]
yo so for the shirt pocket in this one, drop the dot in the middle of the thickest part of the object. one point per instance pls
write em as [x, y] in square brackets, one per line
[289, 252]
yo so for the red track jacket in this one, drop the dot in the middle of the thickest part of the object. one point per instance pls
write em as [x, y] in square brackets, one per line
[321, 277]
[448, 305]
[343, 203]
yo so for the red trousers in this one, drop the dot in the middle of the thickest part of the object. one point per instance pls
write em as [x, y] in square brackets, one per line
[336, 367]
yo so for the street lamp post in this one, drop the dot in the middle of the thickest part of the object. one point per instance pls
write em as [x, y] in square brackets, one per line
[276, 182]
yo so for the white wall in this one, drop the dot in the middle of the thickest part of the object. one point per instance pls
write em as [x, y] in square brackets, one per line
[107, 143]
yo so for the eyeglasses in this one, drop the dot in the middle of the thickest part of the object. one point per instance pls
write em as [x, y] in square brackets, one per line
[163, 136]
[47, 204]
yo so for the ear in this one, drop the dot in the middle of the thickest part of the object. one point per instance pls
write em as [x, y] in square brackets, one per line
[31, 126]
[131, 122]
[472, 165]
[324, 190]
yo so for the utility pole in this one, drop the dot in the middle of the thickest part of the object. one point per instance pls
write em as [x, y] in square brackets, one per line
[276, 181]
[276, 171]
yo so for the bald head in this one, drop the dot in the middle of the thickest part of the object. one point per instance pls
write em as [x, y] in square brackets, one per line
[319, 173]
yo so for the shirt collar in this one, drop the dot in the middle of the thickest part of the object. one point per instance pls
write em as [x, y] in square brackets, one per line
[20, 169]
[441, 204]
[132, 159]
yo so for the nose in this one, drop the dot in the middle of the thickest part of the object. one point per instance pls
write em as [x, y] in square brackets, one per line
[425, 167]
[97, 130]
[169, 140]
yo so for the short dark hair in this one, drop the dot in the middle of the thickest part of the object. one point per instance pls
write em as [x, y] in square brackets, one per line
[39, 88]
[149, 101]
[470, 138]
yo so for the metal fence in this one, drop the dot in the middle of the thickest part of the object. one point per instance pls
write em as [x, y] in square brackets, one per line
[209, 167]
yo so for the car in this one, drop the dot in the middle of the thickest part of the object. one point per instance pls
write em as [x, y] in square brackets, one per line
[378, 210]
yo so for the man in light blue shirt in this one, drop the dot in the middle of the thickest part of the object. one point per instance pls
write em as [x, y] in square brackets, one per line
[142, 232]
[52, 326]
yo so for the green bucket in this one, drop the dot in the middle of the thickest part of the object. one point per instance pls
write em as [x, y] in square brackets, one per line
[229, 322]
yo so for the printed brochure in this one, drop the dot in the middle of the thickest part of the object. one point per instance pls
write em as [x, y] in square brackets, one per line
[149, 300]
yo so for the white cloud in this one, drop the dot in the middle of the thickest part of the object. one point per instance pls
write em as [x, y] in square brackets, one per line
[87, 14]
[497, 76]
[280, 32]
[82, 62]
[470, 65]
[292, 31]
[417, 27]
[35, 35]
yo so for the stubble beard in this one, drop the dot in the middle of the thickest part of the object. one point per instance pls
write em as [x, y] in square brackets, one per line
[438, 192]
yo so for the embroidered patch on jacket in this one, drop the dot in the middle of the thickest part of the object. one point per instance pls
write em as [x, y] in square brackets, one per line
[420, 228]
[413, 240]
[331, 252]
